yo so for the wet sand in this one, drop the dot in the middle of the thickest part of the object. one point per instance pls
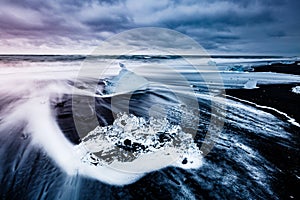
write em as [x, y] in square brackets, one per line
[279, 97]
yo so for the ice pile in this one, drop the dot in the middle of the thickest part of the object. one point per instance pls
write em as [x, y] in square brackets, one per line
[139, 145]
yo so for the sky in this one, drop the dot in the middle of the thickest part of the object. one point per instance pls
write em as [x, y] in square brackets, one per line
[260, 27]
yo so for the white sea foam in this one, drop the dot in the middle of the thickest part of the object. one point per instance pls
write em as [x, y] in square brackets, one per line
[35, 111]
[47, 135]
[290, 119]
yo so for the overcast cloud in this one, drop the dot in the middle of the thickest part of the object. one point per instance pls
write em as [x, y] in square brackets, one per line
[221, 27]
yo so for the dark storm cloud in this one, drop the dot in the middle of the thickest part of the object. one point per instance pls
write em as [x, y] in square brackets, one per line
[231, 25]
[30, 19]
[74, 19]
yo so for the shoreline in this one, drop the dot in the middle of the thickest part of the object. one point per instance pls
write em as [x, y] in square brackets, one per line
[277, 96]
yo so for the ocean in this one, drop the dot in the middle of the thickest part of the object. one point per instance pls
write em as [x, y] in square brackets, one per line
[149, 127]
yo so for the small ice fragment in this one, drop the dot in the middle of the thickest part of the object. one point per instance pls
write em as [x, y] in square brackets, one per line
[296, 89]
[251, 84]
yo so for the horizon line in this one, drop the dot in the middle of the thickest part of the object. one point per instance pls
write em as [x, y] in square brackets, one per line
[113, 55]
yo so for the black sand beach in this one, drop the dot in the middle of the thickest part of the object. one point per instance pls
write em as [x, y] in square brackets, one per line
[279, 97]
[255, 156]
